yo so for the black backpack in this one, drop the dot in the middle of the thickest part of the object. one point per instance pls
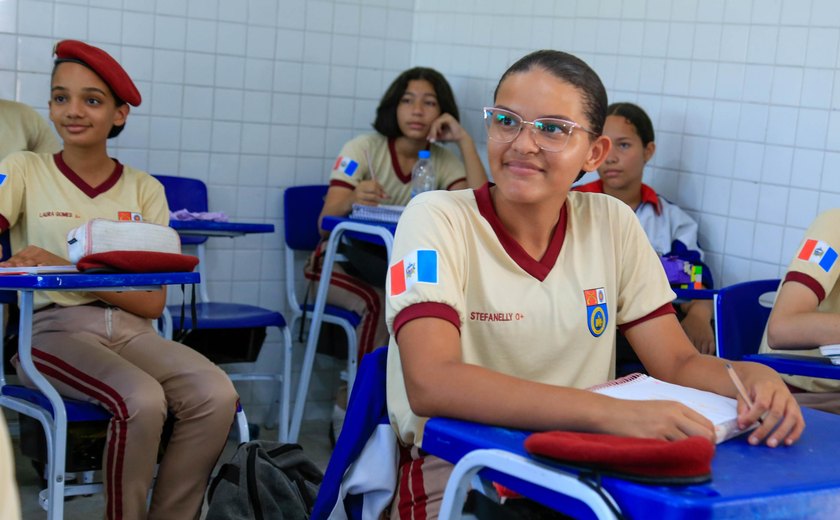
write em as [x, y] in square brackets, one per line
[264, 480]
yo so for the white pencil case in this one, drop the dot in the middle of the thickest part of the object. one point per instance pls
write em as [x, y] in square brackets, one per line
[102, 235]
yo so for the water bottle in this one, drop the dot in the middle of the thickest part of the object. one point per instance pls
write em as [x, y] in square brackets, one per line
[422, 175]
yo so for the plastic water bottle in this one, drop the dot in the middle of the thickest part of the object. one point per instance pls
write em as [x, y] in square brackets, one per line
[422, 175]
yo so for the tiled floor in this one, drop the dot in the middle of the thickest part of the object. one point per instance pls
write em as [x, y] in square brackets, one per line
[313, 438]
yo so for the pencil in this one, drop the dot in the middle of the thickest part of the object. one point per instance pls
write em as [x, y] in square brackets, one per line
[742, 391]
[370, 166]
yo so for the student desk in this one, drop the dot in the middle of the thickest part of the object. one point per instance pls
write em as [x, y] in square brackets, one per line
[800, 481]
[797, 365]
[26, 285]
[206, 228]
[375, 232]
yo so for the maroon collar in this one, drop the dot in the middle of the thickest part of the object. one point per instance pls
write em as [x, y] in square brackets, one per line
[539, 269]
[648, 194]
[395, 163]
[84, 186]
[405, 178]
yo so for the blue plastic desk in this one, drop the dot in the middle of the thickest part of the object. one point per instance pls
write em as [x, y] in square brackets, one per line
[694, 294]
[801, 481]
[27, 285]
[793, 364]
[371, 231]
[206, 228]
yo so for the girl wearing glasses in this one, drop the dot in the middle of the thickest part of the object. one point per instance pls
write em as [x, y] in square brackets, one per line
[416, 112]
[504, 301]
[671, 230]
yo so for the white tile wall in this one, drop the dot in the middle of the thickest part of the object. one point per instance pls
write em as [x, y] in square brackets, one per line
[256, 95]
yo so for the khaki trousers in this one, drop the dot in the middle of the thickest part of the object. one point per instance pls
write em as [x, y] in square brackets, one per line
[116, 359]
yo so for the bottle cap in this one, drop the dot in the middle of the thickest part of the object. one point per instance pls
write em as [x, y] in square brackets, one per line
[424, 154]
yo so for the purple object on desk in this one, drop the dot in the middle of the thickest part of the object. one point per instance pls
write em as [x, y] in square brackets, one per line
[675, 269]
[185, 214]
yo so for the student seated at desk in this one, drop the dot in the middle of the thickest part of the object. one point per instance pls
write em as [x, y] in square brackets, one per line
[504, 301]
[416, 112]
[806, 313]
[101, 346]
[22, 129]
[671, 230]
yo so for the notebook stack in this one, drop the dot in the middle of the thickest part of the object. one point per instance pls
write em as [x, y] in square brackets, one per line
[832, 352]
[381, 213]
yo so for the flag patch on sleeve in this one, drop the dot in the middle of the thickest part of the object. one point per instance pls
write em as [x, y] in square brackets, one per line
[346, 165]
[818, 252]
[421, 266]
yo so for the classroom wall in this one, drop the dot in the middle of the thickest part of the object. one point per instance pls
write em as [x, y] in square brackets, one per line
[741, 93]
[253, 96]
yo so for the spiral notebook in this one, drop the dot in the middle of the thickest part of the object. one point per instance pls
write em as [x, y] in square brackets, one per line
[720, 410]
[381, 213]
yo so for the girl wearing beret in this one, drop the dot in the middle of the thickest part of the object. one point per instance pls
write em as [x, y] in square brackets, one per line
[101, 346]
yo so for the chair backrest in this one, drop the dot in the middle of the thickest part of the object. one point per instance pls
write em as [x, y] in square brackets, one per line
[741, 313]
[367, 446]
[185, 193]
[301, 207]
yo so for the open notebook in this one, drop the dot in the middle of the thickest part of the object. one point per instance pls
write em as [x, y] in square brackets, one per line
[39, 269]
[721, 410]
[832, 352]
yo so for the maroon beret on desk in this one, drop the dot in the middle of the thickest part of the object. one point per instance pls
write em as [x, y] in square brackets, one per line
[103, 65]
[137, 262]
[647, 460]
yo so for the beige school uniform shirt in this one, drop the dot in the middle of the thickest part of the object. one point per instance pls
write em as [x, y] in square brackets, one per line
[41, 199]
[23, 129]
[551, 320]
[813, 266]
[371, 155]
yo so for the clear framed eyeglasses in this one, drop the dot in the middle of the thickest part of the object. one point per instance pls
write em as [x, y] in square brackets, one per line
[550, 134]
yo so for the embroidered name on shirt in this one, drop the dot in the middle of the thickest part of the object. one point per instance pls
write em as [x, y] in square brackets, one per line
[66, 214]
[496, 316]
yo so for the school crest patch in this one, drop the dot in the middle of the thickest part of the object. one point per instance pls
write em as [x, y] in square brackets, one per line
[597, 315]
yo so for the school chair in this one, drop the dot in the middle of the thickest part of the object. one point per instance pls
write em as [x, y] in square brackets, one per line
[301, 208]
[191, 194]
[741, 313]
[79, 423]
[361, 474]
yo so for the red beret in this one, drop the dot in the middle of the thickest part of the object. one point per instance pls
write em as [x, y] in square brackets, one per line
[137, 262]
[649, 460]
[102, 64]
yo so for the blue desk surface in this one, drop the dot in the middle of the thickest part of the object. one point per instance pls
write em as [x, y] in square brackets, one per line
[801, 481]
[72, 281]
[694, 294]
[797, 365]
[209, 228]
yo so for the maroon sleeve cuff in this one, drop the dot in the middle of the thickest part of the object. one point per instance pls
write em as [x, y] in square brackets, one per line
[4, 224]
[341, 184]
[426, 310]
[456, 181]
[808, 282]
[668, 308]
